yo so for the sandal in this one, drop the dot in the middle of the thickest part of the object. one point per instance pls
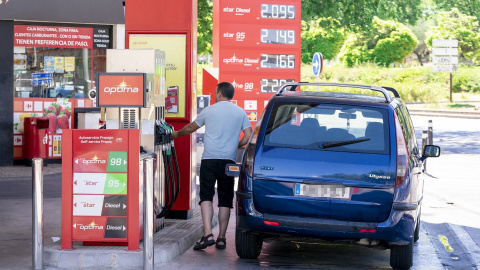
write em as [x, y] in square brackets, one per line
[204, 242]
[221, 246]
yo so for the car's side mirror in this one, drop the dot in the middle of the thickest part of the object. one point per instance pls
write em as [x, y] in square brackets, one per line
[431, 151]
[232, 169]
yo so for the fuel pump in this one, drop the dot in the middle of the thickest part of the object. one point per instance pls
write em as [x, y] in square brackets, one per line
[149, 119]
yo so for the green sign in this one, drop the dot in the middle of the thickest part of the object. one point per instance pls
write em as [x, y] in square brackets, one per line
[117, 161]
[115, 183]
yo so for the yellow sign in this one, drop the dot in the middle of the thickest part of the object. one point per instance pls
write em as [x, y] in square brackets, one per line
[175, 55]
[59, 64]
[69, 64]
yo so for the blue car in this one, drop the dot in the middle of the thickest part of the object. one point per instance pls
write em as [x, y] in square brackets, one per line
[332, 165]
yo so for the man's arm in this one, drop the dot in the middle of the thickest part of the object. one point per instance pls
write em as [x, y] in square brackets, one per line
[246, 135]
[186, 130]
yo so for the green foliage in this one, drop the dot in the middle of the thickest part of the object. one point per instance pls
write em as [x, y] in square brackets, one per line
[456, 25]
[466, 80]
[323, 35]
[421, 51]
[468, 7]
[359, 14]
[204, 26]
[416, 84]
[387, 42]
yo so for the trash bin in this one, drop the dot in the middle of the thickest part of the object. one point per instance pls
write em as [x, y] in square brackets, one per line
[36, 139]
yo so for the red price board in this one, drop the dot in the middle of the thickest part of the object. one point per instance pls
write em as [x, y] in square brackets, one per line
[257, 35]
[258, 47]
[254, 11]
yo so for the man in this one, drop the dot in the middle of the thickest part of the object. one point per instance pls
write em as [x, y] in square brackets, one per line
[223, 122]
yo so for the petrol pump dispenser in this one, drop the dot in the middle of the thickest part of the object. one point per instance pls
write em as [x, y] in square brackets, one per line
[102, 183]
[150, 119]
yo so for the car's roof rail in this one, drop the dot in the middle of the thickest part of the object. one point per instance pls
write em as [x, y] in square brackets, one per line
[384, 90]
[393, 90]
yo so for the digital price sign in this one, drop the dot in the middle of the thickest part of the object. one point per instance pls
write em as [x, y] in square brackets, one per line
[257, 47]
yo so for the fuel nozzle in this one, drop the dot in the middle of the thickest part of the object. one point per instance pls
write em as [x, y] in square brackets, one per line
[163, 135]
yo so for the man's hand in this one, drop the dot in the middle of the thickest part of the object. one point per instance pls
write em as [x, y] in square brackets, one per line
[246, 136]
[174, 134]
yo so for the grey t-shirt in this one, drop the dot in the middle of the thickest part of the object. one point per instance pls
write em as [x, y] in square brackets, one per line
[223, 122]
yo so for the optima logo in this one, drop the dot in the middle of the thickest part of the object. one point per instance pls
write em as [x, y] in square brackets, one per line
[91, 226]
[233, 60]
[123, 87]
[94, 160]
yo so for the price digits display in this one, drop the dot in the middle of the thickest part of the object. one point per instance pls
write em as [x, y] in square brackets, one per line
[286, 61]
[272, 85]
[277, 36]
[272, 11]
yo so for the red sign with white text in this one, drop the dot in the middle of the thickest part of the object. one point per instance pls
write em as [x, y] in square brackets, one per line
[88, 227]
[52, 36]
[121, 89]
[260, 35]
[96, 161]
[259, 48]
[260, 12]
[93, 141]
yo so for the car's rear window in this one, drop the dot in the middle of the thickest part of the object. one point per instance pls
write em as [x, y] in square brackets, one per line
[329, 127]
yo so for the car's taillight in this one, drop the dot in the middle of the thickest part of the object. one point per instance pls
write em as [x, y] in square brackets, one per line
[250, 151]
[402, 154]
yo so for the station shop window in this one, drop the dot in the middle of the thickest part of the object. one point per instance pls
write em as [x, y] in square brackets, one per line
[45, 72]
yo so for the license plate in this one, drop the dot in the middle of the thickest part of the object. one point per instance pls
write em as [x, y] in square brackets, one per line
[323, 191]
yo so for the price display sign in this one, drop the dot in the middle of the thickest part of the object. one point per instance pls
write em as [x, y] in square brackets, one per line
[100, 185]
[257, 45]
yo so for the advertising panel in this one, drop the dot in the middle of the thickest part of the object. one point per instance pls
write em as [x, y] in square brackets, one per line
[121, 89]
[174, 47]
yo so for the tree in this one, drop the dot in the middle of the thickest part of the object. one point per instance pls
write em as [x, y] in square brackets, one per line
[323, 35]
[388, 42]
[420, 30]
[455, 25]
[204, 26]
[359, 14]
[468, 7]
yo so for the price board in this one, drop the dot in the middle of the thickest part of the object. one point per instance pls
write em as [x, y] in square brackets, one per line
[100, 187]
[257, 48]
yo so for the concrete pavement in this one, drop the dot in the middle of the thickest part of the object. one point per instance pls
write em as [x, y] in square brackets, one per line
[16, 229]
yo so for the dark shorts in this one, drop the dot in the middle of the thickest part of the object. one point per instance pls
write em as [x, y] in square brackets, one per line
[211, 171]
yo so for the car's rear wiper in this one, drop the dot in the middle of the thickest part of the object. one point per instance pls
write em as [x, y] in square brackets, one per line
[340, 143]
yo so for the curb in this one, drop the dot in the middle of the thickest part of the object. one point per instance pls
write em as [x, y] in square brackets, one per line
[173, 240]
[450, 114]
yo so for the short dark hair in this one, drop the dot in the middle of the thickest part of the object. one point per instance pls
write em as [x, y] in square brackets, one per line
[226, 89]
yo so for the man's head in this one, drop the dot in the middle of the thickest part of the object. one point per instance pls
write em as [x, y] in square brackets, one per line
[226, 89]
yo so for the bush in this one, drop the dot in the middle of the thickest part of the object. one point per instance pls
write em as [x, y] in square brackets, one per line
[416, 84]
[388, 42]
[324, 35]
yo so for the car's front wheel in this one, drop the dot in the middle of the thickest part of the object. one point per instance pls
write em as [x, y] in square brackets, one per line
[401, 257]
[247, 245]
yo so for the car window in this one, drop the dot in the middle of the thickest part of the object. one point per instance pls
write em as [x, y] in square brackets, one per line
[407, 127]
[328, 127]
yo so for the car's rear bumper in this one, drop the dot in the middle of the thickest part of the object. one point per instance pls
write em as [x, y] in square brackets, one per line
[397, 229]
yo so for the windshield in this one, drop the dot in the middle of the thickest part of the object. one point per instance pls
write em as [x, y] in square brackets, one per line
[328, 127]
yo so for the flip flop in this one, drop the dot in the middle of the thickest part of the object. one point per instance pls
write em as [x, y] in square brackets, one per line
[204, 242]
[221, 246]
